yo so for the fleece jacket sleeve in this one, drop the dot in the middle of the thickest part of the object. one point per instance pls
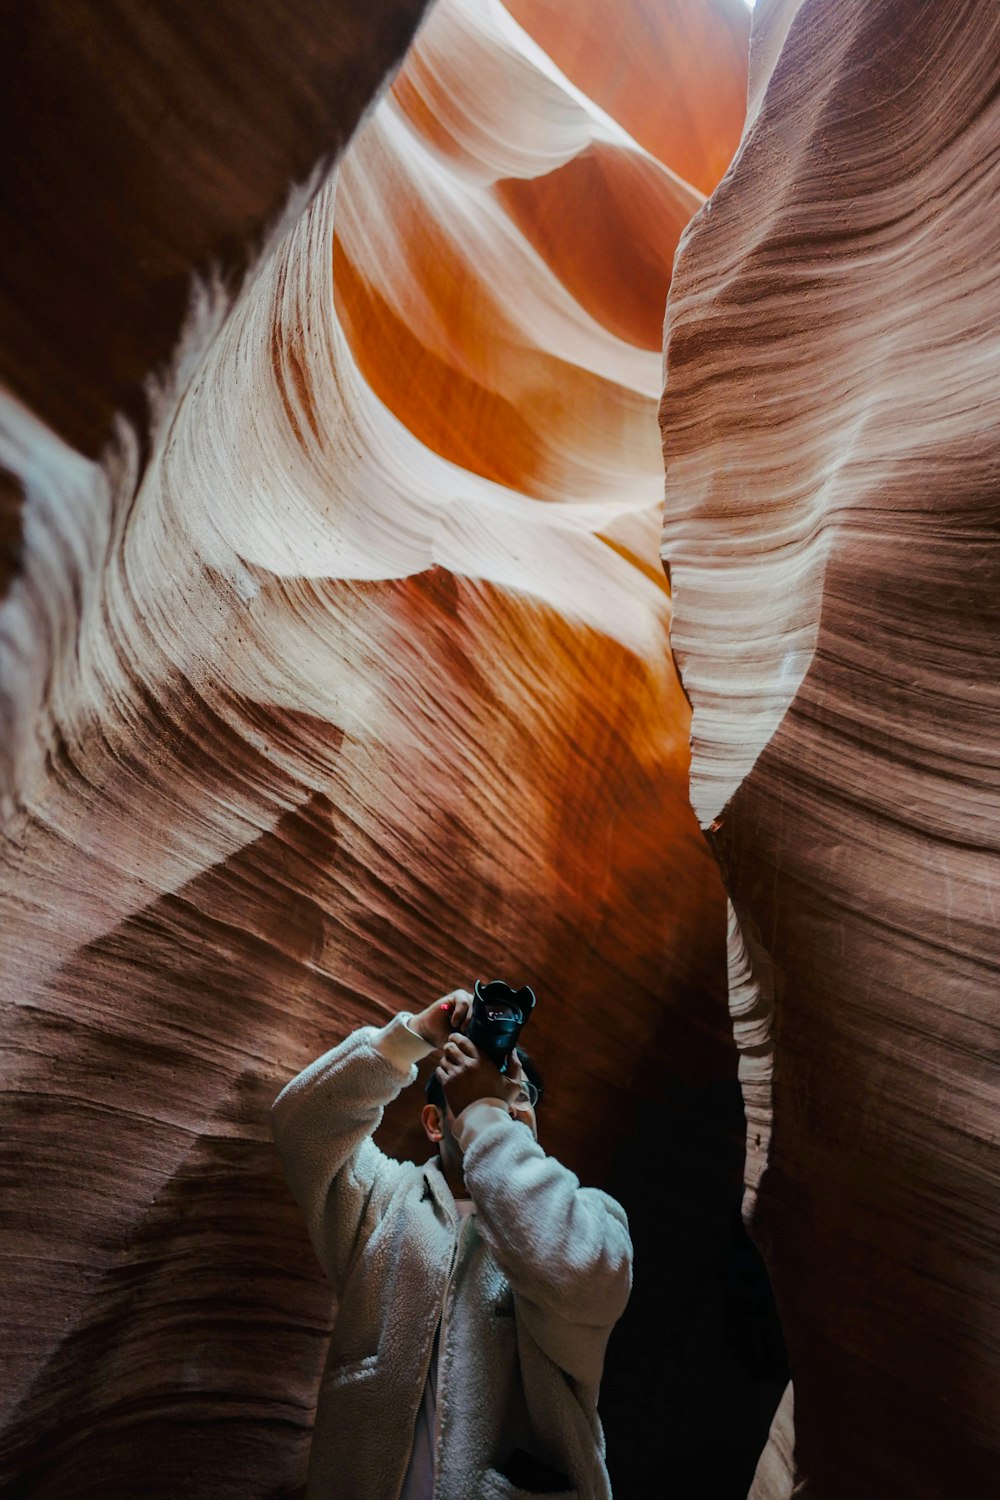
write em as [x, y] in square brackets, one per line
[323, 1122]
[565, 1249]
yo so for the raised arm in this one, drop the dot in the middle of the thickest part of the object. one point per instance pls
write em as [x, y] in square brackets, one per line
[565, 1249]
[324, 1119]
[323, 1122]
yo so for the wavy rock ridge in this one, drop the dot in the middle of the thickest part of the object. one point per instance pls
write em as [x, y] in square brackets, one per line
[832, 439]
[348, 680]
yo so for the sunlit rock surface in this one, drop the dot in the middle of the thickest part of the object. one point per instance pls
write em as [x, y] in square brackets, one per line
[348, 681]
[832, 436]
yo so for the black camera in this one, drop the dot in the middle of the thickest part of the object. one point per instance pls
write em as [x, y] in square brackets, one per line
[498, 1015]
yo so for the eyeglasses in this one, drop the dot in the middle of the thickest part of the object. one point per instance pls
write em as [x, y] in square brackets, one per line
[527, 1096]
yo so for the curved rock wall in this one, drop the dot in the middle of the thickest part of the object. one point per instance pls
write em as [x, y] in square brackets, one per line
[144, 139]
[832, 433]
[348, 680]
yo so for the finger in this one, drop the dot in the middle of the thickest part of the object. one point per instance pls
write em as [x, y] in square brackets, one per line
[469, 1049]
[443, 1011]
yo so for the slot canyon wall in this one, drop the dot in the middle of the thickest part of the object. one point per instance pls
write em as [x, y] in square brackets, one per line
[831, 428]
[341, 678]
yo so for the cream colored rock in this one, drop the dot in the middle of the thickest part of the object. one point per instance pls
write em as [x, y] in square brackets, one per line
[348, 682]
[831, 428]
[775, 1476]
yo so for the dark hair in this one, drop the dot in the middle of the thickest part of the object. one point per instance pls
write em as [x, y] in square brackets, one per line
[435, 1092]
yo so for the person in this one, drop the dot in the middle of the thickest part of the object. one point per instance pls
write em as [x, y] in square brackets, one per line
[476, 1292]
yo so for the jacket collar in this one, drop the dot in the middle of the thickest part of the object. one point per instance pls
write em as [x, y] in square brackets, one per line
[436, 1187]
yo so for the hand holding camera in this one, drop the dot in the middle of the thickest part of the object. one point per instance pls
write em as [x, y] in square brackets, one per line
[497, 1018]
[438, 1021]
[478, 1060]
[467, 1074]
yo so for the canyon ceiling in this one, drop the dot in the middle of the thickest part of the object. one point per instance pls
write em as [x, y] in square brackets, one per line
[338, 666]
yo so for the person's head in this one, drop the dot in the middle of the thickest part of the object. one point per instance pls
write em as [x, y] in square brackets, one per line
[438, 1120]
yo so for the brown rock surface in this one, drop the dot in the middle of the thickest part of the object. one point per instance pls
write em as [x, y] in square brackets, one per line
[832, 433]
[348, 682]
[141, 139]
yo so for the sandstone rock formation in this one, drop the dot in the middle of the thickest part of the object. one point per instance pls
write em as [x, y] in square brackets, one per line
[346, 679]
[143, 139]
[832, 442]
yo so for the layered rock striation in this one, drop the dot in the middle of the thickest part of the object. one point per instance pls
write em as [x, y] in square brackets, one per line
[831, 429]
[345, 679]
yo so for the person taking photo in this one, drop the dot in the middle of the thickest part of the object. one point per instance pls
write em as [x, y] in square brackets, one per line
[475, 1293]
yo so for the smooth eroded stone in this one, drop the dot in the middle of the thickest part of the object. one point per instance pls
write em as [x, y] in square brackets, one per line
[347, 682]
[832, 447]
[143, 139]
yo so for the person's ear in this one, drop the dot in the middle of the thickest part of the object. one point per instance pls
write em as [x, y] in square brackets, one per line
[430, 1119]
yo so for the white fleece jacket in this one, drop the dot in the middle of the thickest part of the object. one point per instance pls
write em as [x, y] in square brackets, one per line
[526, 1292]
